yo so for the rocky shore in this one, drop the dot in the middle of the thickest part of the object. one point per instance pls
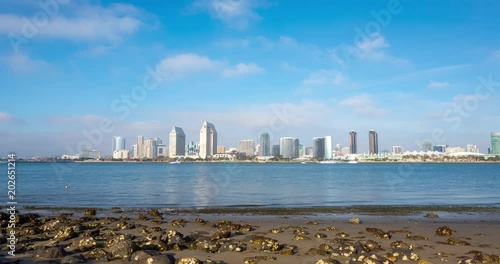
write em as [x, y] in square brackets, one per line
[158, 236]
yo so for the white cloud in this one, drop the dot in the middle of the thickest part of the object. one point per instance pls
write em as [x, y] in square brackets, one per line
[179, 66]
[6, 118]
[86, 23]
[242, 69]
[21, 62]
[363, 104]
[237, 14]
[437, 85]
[324, 77]
[372, 48]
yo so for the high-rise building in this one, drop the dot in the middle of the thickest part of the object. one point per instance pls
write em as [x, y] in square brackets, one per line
[397, 150]
[471, 148]
[439, 148]
[427, 146]
[495, 143]
[328, 147]
[353, 142]
[177, 142]
[309, 151]
[221, 149]
[162, 151]
[151, 148]
[118, 144]
[373, 142]
[275, 151]
[192, 148]
[289, 147]
[208, 140]
[247, 147]
[265, 145]
[140, 147]
[319, 147]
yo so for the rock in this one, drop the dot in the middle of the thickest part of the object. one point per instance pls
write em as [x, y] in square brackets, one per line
[431, 215]
[378, 232]
[400, 244]
[50, 252]
[372, 245]
[457, 242]
[424, 262]
[325, 247]
[65, 233]
[142, 217]
[172, 237]
[312, 223]
[405, 254]
[329, 228]
[97, 254]
[301, 237]
[83, 244]
[257, 259]
[151, 257]
[320, 235]
[316, 251]
[355, 220]
[221, 234]
[486, 258]
[288, 251]
[178, 222]
[230, 246]
[342, 234]
[90, 211]
[73, 259]
[327, 261]
[444, 231]
[122, 249]
[416, 237]
[275, 231]
[200, 221]
[265, 243]
[189, 261]
[154, 212]
[116, 210]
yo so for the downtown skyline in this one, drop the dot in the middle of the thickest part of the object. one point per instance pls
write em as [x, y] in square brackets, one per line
[412, 71]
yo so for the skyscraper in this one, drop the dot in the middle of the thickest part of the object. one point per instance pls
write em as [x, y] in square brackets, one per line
[118, 144]
[208, 140]
[495, 143]
[275, 150]
[353, 142]
[289, 147]
[373, 142]
[247, 147]
[151, 148]
[140, 147]
[397, 150]
[265, 144]
[328, 147]
[319, 147]
[427, 146]
[177, 142]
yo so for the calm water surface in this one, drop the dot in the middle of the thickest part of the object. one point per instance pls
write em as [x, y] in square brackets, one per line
[284, 185]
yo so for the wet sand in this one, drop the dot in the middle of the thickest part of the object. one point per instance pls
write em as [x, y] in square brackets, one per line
[309, 235]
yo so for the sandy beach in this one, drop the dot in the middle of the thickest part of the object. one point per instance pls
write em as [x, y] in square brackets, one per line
[243, 236]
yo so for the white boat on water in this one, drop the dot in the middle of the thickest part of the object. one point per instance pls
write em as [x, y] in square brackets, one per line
[352, 162]
[175, 162]
[328, 162]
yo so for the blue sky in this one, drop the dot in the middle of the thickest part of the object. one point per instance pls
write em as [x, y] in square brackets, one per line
[411, 70]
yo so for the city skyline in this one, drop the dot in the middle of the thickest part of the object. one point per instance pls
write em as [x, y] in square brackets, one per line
[97, 69]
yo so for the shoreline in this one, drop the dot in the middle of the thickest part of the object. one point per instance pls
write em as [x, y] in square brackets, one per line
[237, 236]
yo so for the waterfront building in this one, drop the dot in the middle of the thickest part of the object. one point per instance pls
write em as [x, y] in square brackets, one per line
[140, 147]
[86, 153]
[289, 147]
[265, 145]
[162, 151]
[221, 149]
[275, 151]
[427, 146]
[353, 142]
[439, 148]
[121, 154]
[495, 143]
[397, 150]
[246, 148]
[208, 140]
[177, 142]
[151, 148]
[372, 142]
[319, 147]
[309, 151]
[118, 143]
[328, 148]
[471, 148]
